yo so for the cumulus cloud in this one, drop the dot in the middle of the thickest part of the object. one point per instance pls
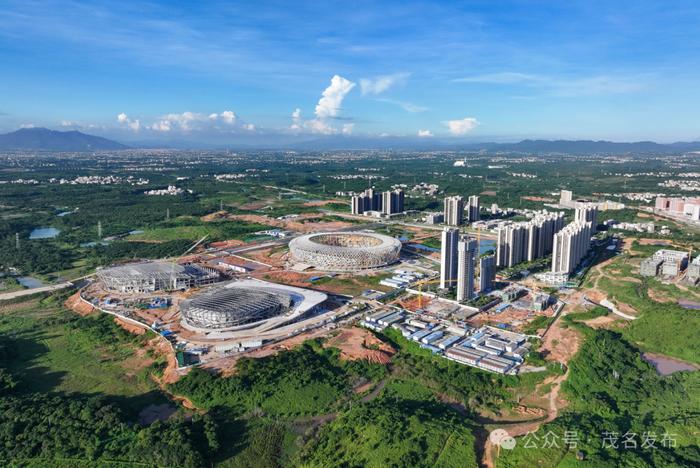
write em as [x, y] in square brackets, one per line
[297, 123]
[333, 96]
[189, 121]
[124, 119]
[328, 108]
[461, 126]
[228, 117]
[379, 84]
[425, 133]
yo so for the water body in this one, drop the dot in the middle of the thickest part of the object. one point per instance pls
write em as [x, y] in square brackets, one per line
[485, 245]
[44, 233]
[29, 282]
[686, 304]
[666, 365]
[65, 213]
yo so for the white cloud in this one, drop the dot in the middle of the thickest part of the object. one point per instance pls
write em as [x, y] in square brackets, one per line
[250, 127]
[332, 97]
[379, 84]
[425, 133]
[461, 126]
[328, 108]
[68, 123]
[162, 126]
[228, 117]
[124, 119]
[27, 125]
[213, 116]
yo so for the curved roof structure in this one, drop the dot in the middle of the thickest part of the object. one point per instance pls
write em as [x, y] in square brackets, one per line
[248, 305]
[345, 251]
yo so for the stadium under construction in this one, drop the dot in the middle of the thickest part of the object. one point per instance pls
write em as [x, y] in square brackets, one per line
[146, 277]
[249, 305]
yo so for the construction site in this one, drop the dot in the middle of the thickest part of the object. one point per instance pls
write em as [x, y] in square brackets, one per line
[251, 298]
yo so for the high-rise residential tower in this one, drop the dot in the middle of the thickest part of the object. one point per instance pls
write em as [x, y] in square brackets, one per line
[454, 211]
[587, 213]
[474, 209]
[487, 273]
[448, 257]
[467, 249]
[570, 246]
[392, 201]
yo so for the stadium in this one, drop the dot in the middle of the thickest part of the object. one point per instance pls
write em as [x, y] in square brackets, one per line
[148, 277]
[345, 251]
[248, 304]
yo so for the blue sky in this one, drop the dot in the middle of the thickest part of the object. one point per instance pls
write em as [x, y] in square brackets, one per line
[266, 70]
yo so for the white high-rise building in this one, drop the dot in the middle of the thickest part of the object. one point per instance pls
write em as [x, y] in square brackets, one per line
[474, 209]
[454, 210]
[487, 273]
[571, 244]
[448, 257]
[587, 213]
[527, 241]
[511, 247]
[565, 197]
[467, 249]
[392, 201]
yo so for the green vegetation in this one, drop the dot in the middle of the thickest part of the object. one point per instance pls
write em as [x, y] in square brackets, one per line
[405, 426]
[71, 390]
[538, 323]
[664, 328]
[308, 380]
[193, 229]
[611, 389]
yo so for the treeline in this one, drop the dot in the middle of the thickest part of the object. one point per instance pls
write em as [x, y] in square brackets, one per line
[404, 426]
[305, 381]
[40, 428]
[58, 429]
[618, 403]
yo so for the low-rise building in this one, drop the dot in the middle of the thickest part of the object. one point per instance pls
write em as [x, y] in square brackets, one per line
[650, 267]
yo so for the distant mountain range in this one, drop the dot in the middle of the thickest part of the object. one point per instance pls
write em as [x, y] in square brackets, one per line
[43, 139]
[524, 146]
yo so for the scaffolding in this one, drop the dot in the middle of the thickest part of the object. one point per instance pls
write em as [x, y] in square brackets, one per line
[146, 277]
[233, 307]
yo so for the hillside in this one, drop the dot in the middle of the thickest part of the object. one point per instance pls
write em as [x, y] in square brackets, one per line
[43, 139]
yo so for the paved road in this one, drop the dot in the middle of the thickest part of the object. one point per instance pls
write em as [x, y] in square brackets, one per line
[29, 292]
[611, 307]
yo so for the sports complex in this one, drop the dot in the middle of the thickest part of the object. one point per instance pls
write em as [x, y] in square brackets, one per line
[345, 251]
[249, 305]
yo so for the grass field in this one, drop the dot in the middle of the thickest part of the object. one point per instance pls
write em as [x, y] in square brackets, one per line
[661, 327]
[56, 356]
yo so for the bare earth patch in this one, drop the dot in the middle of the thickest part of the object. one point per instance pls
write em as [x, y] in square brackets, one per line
[357, 344]
[658, 296]
[78, 306]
